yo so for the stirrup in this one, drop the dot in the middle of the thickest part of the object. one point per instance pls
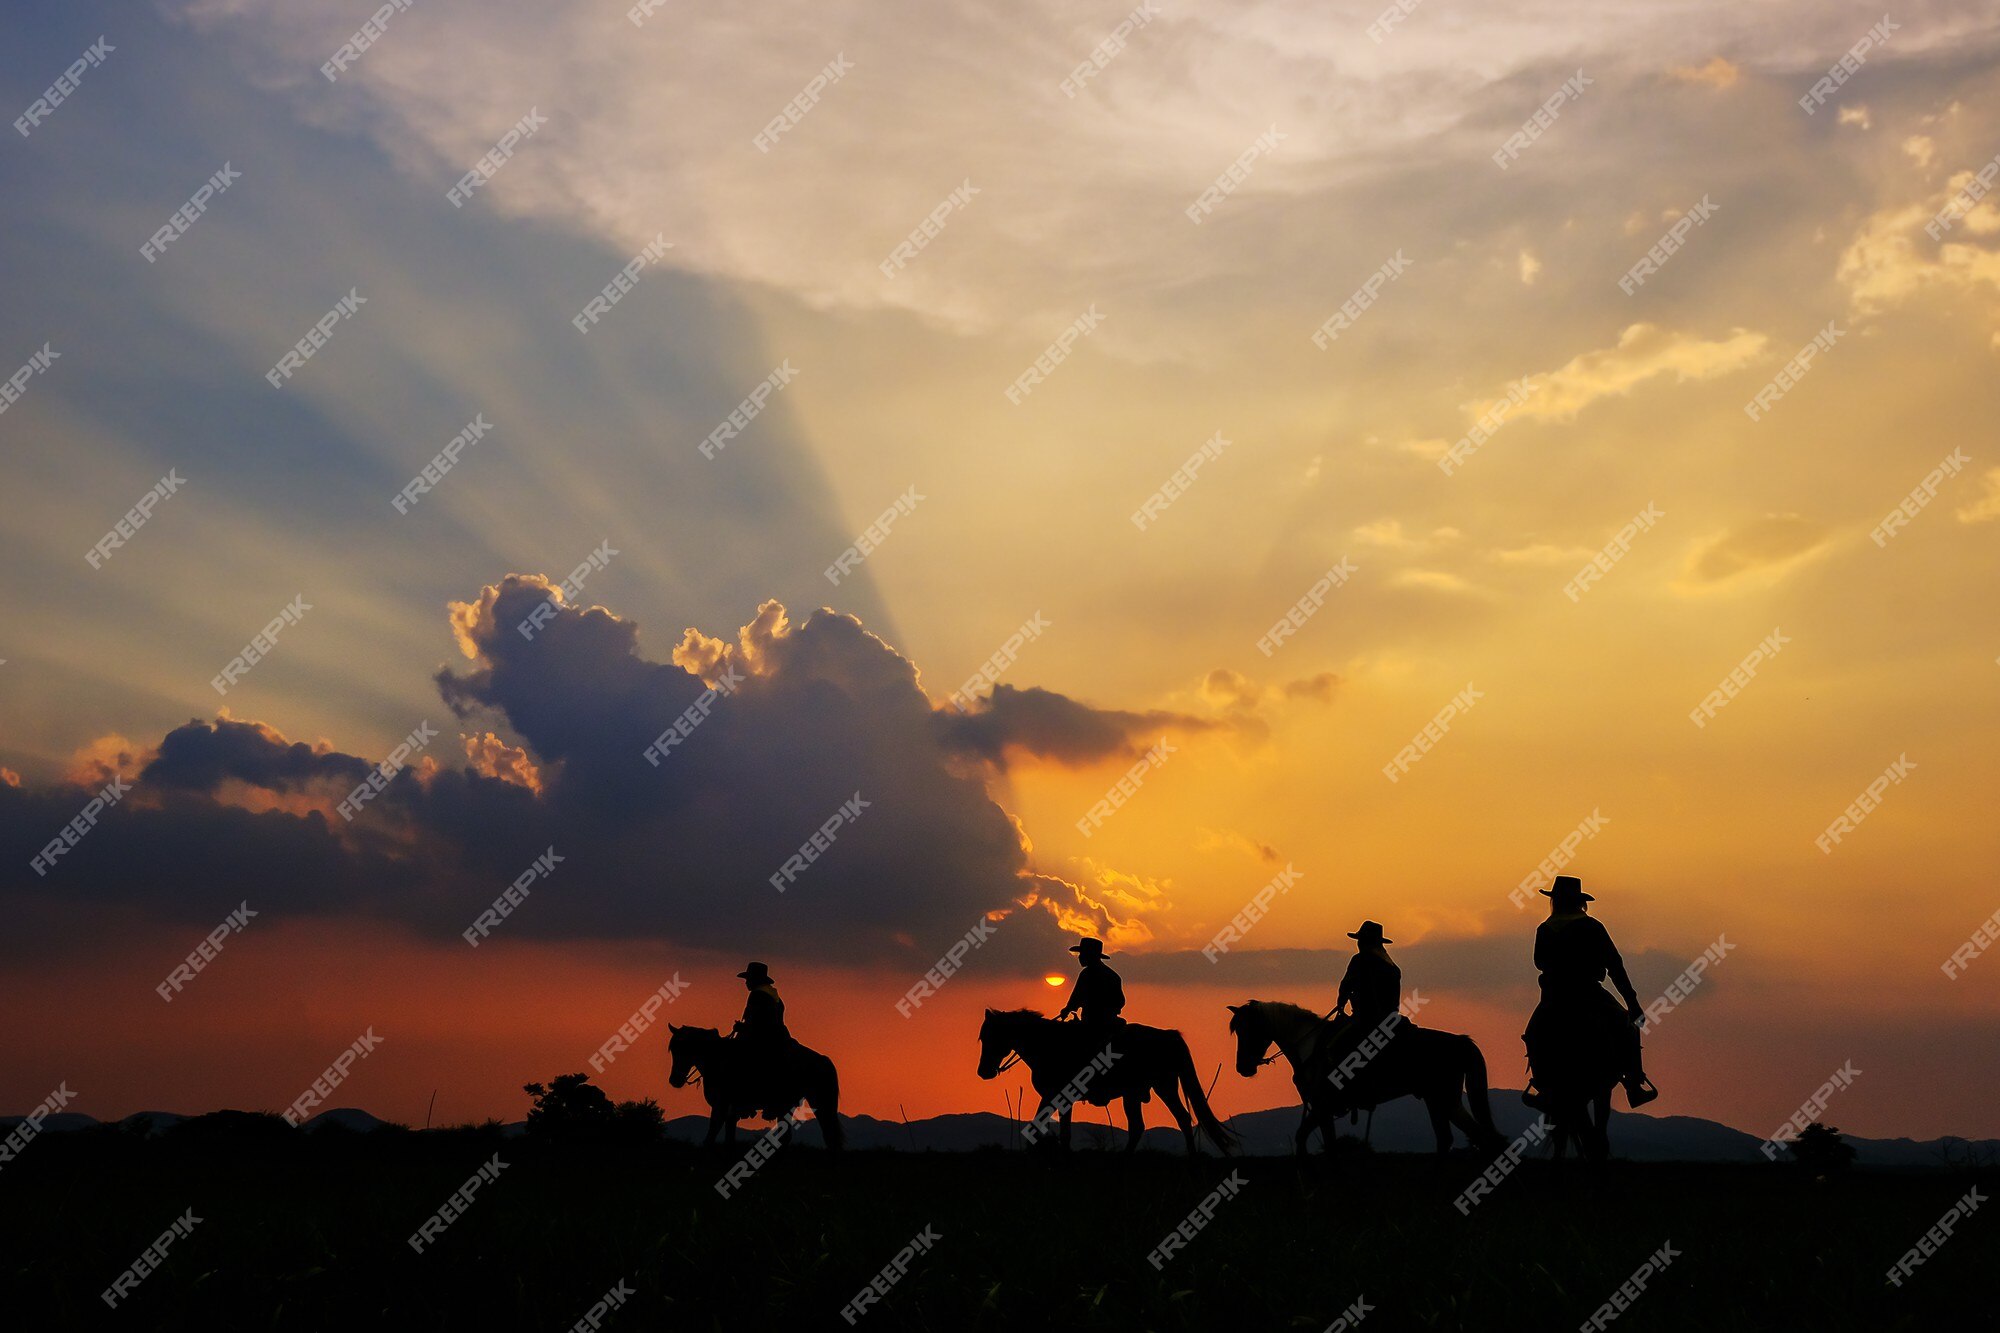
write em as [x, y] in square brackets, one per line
[1639, 1091]
[1534, 1099]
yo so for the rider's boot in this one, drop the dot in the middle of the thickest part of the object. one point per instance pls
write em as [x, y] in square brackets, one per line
[1639, 1089]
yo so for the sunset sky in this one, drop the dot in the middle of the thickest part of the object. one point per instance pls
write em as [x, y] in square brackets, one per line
[1068, 225]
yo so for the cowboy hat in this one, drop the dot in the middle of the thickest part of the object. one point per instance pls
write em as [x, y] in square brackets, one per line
[755, 972]
[1370, 932]
[1569, 888]
[1088, 947]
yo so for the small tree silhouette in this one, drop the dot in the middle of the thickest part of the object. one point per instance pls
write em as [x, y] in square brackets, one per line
[568, 1109]
[1821, 1151]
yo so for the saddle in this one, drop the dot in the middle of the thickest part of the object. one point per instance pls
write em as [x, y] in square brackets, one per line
[764, 1073]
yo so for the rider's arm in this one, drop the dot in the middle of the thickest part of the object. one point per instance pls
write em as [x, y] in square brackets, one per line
[1075, 999]
[1615, 966]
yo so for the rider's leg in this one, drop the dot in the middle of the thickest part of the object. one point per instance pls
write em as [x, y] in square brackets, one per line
[1638, 1088]
[1532, 1095]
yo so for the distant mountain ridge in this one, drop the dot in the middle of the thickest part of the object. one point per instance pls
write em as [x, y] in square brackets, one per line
[1399, 1127]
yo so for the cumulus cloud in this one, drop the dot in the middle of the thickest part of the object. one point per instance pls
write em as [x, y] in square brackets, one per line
[1891, 261]
[779, 726]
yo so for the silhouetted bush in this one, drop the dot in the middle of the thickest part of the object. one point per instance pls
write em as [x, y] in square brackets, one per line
[568, 1109]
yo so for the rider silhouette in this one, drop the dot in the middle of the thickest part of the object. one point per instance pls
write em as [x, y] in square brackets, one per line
[1574, 952]
[1098, 992]
[765, 1039]
[1372, 988]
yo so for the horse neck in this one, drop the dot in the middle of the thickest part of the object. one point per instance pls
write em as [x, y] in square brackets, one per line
[1290, 1029]
[1031, 1037]
[703, 1054]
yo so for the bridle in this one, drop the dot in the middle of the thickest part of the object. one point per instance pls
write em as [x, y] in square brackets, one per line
[1276, 1049]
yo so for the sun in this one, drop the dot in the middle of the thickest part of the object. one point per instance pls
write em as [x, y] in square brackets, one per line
[1054, 979]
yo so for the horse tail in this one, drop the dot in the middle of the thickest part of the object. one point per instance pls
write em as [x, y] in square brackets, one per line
[825, 1101]
[1198, 1100]
[1477, 1098]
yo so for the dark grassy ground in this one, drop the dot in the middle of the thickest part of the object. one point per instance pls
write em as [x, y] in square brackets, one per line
[303, 1232]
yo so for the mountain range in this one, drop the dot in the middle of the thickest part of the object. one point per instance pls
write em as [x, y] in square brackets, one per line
[1398, 1127]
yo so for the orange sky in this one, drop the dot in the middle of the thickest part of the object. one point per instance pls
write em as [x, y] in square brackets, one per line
[1763, 552]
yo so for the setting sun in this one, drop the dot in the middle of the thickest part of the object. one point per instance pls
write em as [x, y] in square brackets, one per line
[1055, 979]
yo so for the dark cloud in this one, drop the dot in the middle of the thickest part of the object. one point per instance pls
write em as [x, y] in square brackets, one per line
[801, 720]
[202, 755]
[1052, 726]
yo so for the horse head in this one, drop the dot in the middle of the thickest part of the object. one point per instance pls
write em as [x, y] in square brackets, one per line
[688, 1047]
[1000, 1036]
[1253, 1037]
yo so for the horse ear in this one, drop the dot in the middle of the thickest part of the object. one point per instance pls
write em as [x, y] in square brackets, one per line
[671, 1029]
[1233, 1008]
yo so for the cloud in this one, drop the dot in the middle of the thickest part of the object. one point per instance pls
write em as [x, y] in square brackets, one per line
[814, 715]
[202, 756]
[1232, 690]
[1718, 74]
[1051, 726]
[1388, 533]
[1764, 543]
[1209, 840]
[1987, 507]
[1857, 115]
[1530, 268]
[651, 130]
[1643, 352]
[1540, 553]
[1891, 261]
[1435, 580]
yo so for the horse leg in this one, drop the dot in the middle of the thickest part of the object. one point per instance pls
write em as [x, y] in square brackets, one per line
[714, 1127]
[1466, 1123]
[1135, 1121]
[1302, 1141]
[1043, 1122]
[1063, 1137]
[1440, 1123]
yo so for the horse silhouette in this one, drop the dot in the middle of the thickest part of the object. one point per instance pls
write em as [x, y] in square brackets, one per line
[1127, 1062]
[736, 1091]
[1444, 1070]
[1582, 1062]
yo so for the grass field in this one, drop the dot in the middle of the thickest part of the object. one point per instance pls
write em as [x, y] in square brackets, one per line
[310, 1232]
